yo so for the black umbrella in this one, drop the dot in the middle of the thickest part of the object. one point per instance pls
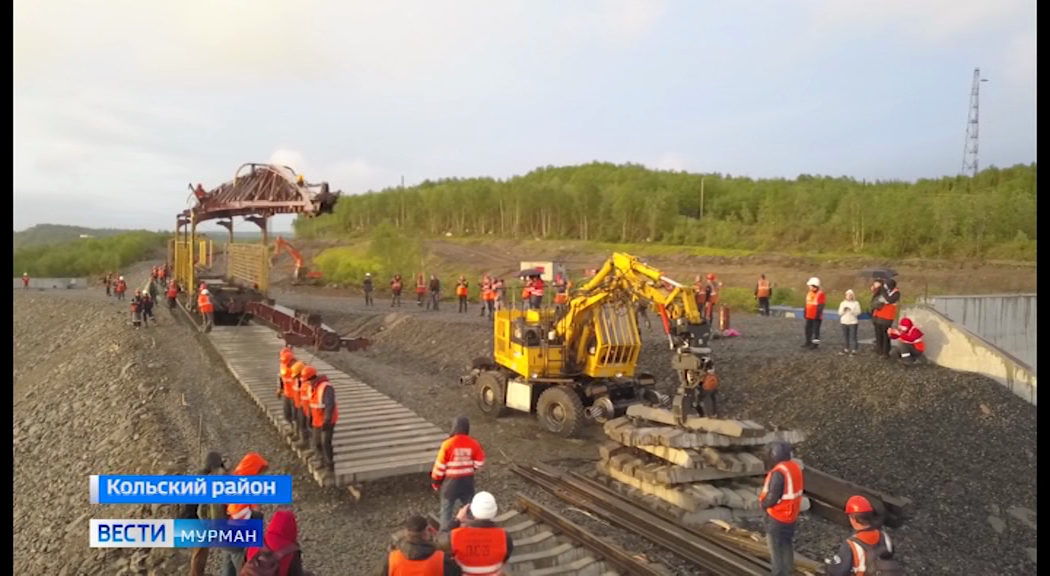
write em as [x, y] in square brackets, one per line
[530, 272]
[877, 273]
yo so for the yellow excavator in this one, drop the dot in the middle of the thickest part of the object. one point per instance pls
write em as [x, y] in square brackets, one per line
[578, 362]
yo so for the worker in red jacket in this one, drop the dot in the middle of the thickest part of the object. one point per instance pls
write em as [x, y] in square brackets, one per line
[452, 476]
[909, 339]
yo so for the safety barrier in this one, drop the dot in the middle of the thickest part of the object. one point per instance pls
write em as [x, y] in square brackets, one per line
[250, 264]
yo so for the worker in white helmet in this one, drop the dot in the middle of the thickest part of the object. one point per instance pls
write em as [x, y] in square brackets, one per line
[25, 280]
[475, 541]
[207, 310]
[815, 299]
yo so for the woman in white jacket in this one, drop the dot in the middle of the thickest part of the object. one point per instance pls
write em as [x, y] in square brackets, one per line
[849, 316]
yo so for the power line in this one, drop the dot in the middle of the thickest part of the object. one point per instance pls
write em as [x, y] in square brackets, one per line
[970, 163]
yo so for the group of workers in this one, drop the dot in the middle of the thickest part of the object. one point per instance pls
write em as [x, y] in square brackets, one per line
[470, 543]
[310, 407]
[885, 298]
[492, 292]
[868, 550]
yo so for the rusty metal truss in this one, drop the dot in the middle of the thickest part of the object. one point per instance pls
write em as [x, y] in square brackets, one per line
[258, 192]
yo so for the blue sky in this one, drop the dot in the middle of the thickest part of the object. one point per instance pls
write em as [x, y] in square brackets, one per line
[119, 105]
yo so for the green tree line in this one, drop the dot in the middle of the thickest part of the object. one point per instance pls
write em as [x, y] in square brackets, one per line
[989, 216]
[89, 256]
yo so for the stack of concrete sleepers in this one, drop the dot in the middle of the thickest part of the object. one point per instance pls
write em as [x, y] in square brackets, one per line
[707, 469]
[375, 438]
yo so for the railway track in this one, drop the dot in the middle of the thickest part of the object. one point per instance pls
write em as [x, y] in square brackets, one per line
[546, 543]
[695, 547]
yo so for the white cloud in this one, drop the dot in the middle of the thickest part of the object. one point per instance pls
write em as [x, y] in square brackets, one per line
[671, 161]
[351, 176]
[630, 19]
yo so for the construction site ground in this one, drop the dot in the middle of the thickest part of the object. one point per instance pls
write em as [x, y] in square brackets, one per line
[450, 257]
[960, 446]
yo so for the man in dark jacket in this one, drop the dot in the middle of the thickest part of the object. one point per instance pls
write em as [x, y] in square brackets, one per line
[215, 464]
[416, 550]
[368, 286]
[435, 292]
[884, 302]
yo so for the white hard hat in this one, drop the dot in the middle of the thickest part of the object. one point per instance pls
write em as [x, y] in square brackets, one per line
[483, 506]
[814, 281]
[25, 273]
[121, 278]
[205, 291]
[368, 273]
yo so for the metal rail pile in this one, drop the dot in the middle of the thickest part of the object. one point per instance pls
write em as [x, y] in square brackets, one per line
[690, 545]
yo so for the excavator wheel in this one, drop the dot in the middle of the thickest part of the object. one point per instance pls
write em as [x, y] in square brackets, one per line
[560, 410]
[490, 389]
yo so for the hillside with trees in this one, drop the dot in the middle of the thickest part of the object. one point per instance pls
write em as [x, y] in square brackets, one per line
[991, 216]
[50, 234]
[88, 256]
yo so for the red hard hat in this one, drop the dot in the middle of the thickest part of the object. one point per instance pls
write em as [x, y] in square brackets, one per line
[858, 505]
[710, 276]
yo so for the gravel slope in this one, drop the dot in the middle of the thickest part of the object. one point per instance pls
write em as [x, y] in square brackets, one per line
[933, 435]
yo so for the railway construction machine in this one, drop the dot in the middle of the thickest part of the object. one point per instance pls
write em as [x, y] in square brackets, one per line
[580, 362]
[240, 291]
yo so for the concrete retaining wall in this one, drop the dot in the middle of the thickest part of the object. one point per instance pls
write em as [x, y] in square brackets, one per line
[1006, 320]
[952, 345]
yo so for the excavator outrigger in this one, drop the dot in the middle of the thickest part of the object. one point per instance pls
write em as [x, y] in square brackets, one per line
[300, 273]
[580, 361]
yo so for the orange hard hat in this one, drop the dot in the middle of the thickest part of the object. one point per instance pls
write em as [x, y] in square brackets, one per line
[710, 276]
[286, 353]
[308, 372]
[251, 464]
[297, 368]
[858, 505]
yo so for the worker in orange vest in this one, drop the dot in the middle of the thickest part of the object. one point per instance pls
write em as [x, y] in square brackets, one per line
[763, 292]
[711, 289]
[869, 550]
[461, 294]
[120, 288]
[207, 310]
[286, 382]
[884, 302]
[478, 545]
[324, 415]
[171, 293]
[306, 396]
[252, 464]
[561, 292]
[25, 280]
[814, 313]
[415, 554]
[396, 285]
[295, 395]
[488, 296]
[421, 288]
[781, 498]
[452, 476]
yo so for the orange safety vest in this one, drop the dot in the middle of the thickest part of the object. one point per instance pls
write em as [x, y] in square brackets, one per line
[763, 289]
[399, 565]
[459, 456]
[395, 285]
[421, 286]
[487, 293]
[288, 381]
[204, 303]
[479, 551]
[317, 405]
[786, 509]
[887, 312]
[121, 286]
[306, 393]
[857, 542]
[173, 290]
[461, 289]
[701, 296]
[813, 300]
[160, 273]
[537, 287]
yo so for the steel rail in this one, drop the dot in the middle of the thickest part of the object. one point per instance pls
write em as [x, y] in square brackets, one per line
[630, 516]
[581, 537]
